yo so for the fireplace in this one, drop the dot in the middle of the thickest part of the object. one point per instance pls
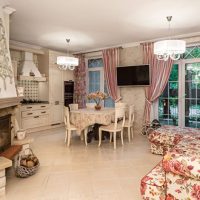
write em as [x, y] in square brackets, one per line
[5, 132]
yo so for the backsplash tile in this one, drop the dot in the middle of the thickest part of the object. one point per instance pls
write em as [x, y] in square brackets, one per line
[31, 89]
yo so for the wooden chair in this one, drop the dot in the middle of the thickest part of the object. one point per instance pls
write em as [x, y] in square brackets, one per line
[70, 127]
[115, 127]
[129, 122]
[120, 104]
[73, 106]
[90, 105]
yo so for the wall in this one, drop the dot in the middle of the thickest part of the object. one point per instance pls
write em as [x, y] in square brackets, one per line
[133, 94]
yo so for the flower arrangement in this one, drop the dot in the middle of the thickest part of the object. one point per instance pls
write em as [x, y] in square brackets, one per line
[97, 97]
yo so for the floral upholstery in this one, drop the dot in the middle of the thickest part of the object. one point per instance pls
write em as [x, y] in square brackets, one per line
[159, 149]
[184, 159]
[182, 188]
[166, 137]
[180, 167]
[153, 184]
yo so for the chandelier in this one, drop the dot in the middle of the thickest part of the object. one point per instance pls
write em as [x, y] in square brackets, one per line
[67, 62]
[169, 48]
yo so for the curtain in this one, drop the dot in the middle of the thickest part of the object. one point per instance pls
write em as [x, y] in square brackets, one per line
[111, 61]
[80, 82]
[160, 72]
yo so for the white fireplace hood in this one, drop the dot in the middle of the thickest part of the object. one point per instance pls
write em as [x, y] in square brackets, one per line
[29, 70]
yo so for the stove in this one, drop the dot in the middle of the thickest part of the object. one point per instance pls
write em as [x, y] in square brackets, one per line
[33, 101]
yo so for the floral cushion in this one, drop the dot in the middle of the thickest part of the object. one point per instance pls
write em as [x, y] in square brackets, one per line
[182, 188]
[159, 149]
[153, 184]
[184, 158]
[171, 135]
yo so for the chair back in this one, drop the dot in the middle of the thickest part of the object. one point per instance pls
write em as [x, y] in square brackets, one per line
[90, 105]
[66, 117]
[73, 106]
[119, 115]
[131, 117]
[120, 105]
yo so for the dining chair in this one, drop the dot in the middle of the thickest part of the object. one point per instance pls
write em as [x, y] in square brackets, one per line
[90, 105]
[70, 127]
[129, 122]
[120, 104]
[115, 127]
[73, 106]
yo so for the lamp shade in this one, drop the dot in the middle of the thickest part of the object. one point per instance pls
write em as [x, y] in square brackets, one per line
[169, 47]
[67, 60]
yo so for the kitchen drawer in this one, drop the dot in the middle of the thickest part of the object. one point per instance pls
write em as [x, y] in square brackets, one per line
[34, 107]
[35, 113]
[36, 121]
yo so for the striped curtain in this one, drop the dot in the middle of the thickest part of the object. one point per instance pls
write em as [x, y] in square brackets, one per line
[111, 61]
[160, 72]
[80, 82]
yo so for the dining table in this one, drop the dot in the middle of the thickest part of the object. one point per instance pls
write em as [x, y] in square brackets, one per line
[83, 118]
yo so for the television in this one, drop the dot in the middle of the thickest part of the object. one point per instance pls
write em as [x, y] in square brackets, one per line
[133, 75]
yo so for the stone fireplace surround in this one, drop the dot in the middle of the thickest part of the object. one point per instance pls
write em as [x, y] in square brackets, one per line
[8, 106]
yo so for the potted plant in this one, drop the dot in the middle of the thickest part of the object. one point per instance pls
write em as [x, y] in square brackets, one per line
[97, 97]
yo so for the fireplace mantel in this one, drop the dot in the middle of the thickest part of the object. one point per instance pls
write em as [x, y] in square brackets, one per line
[9, 102]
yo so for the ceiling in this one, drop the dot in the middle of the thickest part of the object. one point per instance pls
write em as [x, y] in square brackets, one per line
[92, 24]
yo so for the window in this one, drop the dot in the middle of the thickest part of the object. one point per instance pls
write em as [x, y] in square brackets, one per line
[180, 102]
[96, 81]
[168, 102]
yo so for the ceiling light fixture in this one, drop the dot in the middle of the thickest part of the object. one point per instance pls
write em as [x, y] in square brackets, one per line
[166, 49]
[67, 62]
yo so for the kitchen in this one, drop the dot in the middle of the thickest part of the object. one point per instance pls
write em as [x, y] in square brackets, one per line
[41, 83]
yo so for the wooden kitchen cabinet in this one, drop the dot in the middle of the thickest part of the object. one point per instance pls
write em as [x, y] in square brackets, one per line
[56, 78]
[34, 116]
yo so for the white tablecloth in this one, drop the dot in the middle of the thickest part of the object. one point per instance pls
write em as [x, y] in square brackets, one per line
[83, 118]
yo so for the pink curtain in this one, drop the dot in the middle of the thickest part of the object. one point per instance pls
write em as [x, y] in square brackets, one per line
[111, 61]
[160, 72]
[80, 82]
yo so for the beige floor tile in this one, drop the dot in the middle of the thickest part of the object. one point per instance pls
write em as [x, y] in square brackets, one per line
[83, 173]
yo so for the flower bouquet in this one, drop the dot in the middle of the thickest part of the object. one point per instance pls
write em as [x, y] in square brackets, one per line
[97, 97]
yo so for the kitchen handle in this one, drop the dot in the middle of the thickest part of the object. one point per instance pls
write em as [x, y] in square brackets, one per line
[36, 117]
[29, 107]
[42, 106]
[29, 113]
[43, 112]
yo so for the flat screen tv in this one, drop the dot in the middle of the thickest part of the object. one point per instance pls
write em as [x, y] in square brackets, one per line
[133, 75]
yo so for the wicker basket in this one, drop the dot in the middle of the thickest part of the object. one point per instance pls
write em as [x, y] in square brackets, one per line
[24, 172]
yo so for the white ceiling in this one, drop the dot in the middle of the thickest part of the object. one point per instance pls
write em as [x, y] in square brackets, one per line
[95, 24]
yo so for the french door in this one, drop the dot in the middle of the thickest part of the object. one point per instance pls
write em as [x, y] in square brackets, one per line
[180, 102]
[190, 93]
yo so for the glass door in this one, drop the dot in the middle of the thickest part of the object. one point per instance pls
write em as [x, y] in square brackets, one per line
[192, 94]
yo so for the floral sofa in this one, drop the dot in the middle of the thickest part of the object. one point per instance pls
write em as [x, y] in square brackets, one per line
[177, 176]
[166, 137]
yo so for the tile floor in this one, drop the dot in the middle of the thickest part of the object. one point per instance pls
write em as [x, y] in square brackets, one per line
[83, 173]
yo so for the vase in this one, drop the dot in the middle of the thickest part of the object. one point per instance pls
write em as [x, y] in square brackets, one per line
[97, 107]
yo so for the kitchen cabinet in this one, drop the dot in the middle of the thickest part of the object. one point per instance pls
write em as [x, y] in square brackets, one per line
[34, 116]
[56, 78]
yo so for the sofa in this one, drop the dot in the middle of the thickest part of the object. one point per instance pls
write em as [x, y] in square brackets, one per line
[166, 137]
[177, 176]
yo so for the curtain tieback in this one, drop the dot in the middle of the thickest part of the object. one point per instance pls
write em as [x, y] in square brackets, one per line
[149, 102]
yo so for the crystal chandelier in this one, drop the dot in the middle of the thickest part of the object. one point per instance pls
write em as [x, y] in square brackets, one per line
[67, 62]
[166, 49]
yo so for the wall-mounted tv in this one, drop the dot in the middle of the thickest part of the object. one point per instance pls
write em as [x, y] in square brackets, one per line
[133, 75]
